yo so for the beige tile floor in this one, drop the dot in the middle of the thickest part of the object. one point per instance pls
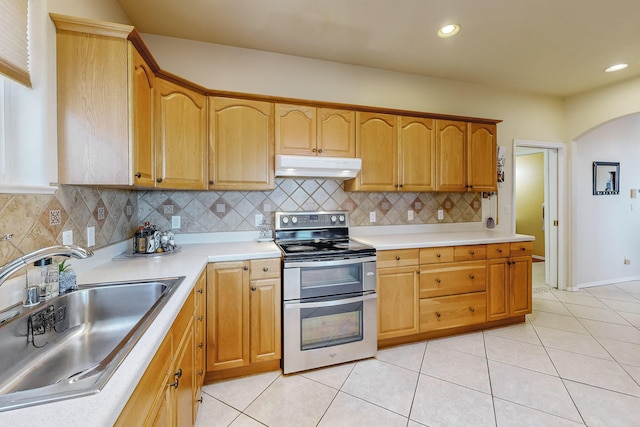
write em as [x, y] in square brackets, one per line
[575, 361]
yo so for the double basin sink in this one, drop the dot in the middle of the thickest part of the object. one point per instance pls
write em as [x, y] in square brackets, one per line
[70, 346]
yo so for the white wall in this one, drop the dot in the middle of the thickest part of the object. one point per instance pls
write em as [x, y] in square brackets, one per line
[606, 229]
[243, 70]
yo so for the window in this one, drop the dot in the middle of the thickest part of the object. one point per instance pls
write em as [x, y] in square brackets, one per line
[14, 43]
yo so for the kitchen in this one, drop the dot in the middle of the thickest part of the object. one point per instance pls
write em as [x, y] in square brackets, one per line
[471, 100]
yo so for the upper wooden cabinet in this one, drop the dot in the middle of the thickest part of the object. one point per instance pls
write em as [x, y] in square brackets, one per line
[417, 167]
[482, 168]
[241, 154]
[451, 156]
[309, 131]
[377, 146]
[104, 105]
[181, 137]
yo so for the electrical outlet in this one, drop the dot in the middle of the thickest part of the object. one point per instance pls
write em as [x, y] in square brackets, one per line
[372, 216]
[67, 237]
[91, 236]
[627, 261]
[175, 221]
[409, 215]
[258, 220]
[440, 214]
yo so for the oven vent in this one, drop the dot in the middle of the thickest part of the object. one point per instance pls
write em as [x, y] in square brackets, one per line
[317, 167]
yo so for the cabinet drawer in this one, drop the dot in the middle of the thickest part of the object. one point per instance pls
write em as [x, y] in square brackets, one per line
[469, 253]
[397, 258]
[436, 255]
[498, 250]
[452, 311]
[521, 248]
[265, 268]
[452, 278]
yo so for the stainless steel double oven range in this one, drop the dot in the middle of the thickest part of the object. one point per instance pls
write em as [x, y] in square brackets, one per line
[329, 291]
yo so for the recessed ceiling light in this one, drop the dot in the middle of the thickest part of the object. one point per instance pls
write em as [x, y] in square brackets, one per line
[448, 30]
[616, 67]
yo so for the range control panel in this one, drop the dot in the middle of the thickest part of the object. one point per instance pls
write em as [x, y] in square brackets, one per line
[311, 220]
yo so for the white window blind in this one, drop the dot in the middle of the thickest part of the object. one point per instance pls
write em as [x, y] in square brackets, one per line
[14, 46]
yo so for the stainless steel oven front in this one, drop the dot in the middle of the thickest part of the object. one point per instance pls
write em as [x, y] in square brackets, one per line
[329, 310]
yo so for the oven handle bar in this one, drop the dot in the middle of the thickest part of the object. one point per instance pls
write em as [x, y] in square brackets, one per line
[333, 263]
[330, 303]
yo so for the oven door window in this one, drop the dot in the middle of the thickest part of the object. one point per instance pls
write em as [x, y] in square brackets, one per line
[334, 280]
[332, 325]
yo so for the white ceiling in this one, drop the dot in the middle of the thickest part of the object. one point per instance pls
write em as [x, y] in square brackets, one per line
[548, 47]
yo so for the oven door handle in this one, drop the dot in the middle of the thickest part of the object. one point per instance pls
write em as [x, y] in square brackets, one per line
[333, 263]
[331, 303]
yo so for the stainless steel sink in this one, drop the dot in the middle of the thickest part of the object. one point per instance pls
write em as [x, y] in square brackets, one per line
[70, 346]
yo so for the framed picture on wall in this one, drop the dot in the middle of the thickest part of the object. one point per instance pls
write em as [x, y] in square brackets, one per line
[606, 178]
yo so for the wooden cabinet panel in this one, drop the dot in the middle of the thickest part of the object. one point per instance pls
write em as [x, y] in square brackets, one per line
[470, 252]
[398, 296]
[199, 339]
[397, 258]
[436, 255]
[143, 81]
[336, 132]
[377, 146]
[227, 315]
[183, 378]
[521, 248]
[265, 320]
[417, 154]
[451, 156]
[497, 288]
[452, 311]
[181, 137]
[265, 268]
[295, 130]
[481, 157]
[520, 285]
[452, 278]
[498, 250]
[241, 138]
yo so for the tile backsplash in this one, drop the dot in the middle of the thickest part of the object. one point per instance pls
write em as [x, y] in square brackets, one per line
[37, 221]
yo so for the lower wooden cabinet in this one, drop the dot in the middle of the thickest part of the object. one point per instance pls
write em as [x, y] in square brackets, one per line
[452, 311]
[509, 281]
[243, 317]
[398, 295]
[166, 393]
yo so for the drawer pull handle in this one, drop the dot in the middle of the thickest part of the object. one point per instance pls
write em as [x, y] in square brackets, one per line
[471, 309]
[265, 269]
[471, 276]
[438, 281]
[438, 314]
[472, 252]
[397, 257]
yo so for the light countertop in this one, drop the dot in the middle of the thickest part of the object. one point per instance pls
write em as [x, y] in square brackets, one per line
[429, 240]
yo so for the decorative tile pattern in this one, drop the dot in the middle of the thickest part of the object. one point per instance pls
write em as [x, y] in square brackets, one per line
[211, 211]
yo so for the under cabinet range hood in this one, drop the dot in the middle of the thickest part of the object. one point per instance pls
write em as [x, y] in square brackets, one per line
[317, 167]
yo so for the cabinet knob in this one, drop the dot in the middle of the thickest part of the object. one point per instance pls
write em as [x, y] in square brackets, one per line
[138, 175]
[245, 268]
[199, 318]
[211, 182]
[472, 252]
[265, 269]
[438, 281]
[471, 276]
[200, 372]
[177, 376]
[199, 400]
[315, 150]
[522, 248]
[159, 179]
[253, 288]
[320, 150]
[471, 309]
[397, 257]
[418, 272]
[396, 185]
[200, 290]
[499, 250]
[200, 345]
[438, 314]
[438, 255]
[401, 185]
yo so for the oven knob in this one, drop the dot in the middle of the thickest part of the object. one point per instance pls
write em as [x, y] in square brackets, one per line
[285, 220]
[333, 218]
[341, 218]
[294, 220]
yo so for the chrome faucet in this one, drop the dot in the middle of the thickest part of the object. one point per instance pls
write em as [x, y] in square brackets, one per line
[58, 250]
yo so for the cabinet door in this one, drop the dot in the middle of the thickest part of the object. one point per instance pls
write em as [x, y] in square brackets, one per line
[336, 133]
[417, 154]
[482, 174]
[241, 153]
[451, 156]
[398, 302]
[520, 285]
[183, 385]
[452, 278]
[227, 315]
[265, 320]
[377, 146]
[142, 121]
[452, 311]
[295, 129]
[181, 137]
[497, 288]
[199, 340]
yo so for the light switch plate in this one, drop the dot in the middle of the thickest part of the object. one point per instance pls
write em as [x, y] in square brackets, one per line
[175, 221]
[258, 220]
[372, 216]
[409, 215]
[67, 237]
[91, 236]
[440, 214]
